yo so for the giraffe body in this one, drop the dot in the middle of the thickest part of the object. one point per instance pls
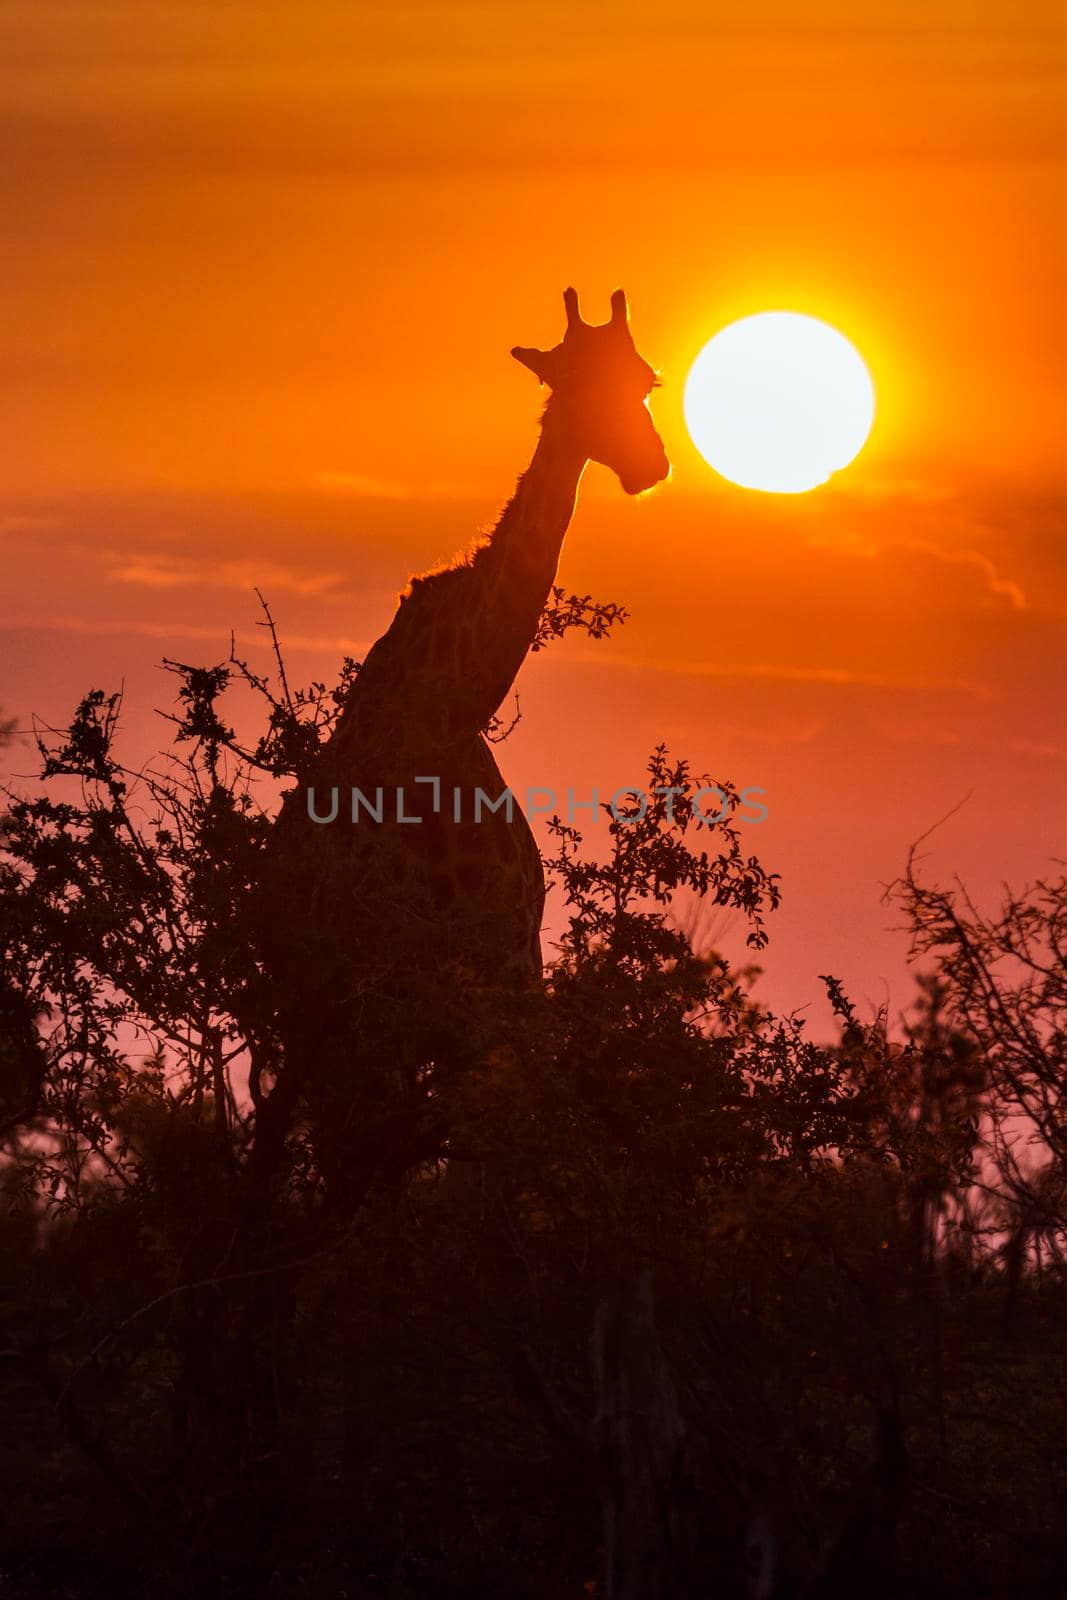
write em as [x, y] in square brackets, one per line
[379, 935]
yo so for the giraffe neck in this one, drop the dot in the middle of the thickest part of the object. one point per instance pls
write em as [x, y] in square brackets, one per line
[457, 641]
[511, 578]
[524, 548]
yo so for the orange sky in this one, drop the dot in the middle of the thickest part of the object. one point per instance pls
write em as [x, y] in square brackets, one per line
[261, 267]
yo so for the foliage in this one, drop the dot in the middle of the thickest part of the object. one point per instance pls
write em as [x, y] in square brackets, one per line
[1004, 991]
[857, 1266]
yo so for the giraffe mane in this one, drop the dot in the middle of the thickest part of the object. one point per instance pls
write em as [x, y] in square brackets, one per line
[451, 568]
[456, 565]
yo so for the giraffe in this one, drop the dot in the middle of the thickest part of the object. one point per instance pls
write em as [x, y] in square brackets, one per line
[372, 930]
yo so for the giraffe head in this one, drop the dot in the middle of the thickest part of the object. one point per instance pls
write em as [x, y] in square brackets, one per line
[600, 388]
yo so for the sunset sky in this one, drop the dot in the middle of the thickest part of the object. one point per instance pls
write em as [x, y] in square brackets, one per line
[262, 265]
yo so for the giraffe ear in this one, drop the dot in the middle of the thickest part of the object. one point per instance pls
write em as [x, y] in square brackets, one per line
[536, 361]
[620, 314]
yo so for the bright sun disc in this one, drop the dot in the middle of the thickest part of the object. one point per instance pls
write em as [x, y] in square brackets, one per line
[779, 402]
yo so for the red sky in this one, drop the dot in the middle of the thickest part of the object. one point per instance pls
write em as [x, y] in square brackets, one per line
[262, 267]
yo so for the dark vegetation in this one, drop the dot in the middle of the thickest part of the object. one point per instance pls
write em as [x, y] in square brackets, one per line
[687, 1304]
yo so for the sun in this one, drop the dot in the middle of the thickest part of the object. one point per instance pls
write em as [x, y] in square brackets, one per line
[779, 401]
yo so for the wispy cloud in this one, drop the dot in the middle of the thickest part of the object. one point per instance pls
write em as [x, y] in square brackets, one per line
[775, 734]
[26, 522]
[363, 484]
[899, 487]
[180, 572]
[995, 582]
[942, 738]
[833, 677]
[366, 486]
[218, 637]
[872, 546]
[922, 500]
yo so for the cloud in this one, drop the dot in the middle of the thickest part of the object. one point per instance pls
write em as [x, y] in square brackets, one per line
[180, 572]
[27, 523]
[219, 637]
[775, 734]
[363, 484]
[366, 486]
[833, 677]
[995, 744]
[994, 582]
[898, 487]
[873, 546]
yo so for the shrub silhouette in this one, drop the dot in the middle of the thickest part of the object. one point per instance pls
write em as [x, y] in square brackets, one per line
[675, 1299]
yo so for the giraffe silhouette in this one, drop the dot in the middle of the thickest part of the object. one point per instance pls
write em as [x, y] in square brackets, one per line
[378, 936]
